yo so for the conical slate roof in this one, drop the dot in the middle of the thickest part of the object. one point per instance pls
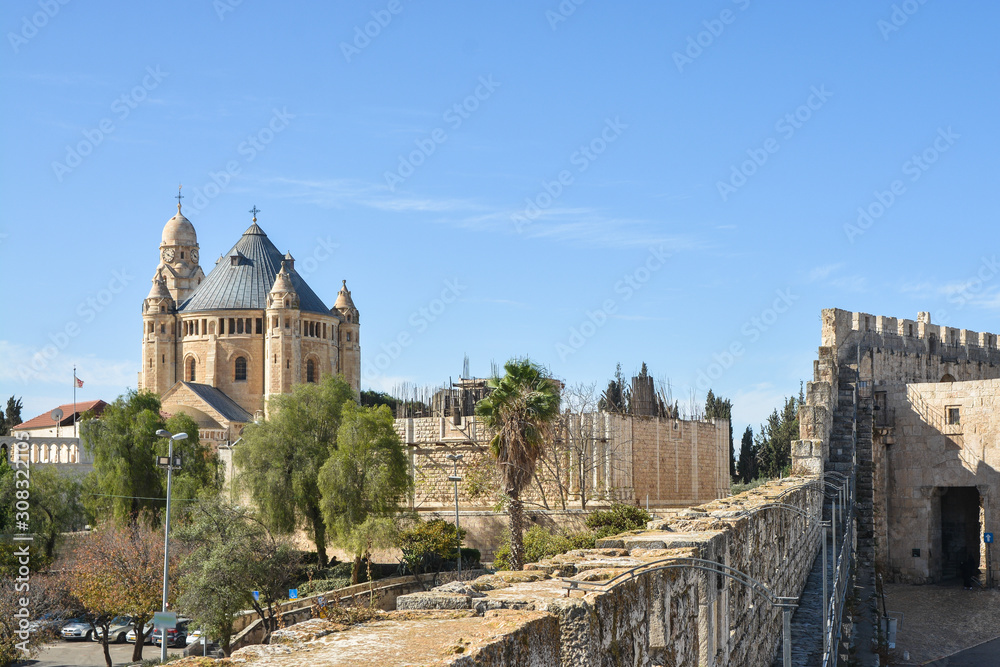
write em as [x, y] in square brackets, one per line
[244, 283]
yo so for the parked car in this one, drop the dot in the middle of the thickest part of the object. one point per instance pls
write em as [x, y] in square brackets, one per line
[195, 637]
[46, 623]
[176, 636]
[146, 632]
[117, 630]
[77, 628]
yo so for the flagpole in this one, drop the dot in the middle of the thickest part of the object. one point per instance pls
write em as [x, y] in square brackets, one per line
[74, 403]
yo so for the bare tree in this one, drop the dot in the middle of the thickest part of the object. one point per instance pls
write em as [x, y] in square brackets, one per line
[582, 460]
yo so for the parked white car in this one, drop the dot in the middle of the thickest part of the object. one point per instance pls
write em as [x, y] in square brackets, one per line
[117, 631]
[146, 631]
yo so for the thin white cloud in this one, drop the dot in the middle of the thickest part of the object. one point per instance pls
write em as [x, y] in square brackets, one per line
[854, 283]
[823, 272]
[50, 365]
[572, 224]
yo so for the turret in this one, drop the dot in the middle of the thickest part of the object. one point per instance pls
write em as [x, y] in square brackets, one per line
[350, 343]
[159, 312]
[282, 338]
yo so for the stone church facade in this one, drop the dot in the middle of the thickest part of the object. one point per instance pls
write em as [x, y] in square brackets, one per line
[218, 346]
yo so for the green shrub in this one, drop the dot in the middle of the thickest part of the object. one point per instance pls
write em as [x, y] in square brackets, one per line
[427, 544]
[323, 585]
[471, 557]
[538, 544]
[619, 518]
[738, 488]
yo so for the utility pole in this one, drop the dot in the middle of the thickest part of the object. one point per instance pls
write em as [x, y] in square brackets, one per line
[170, 464]
[455, 458]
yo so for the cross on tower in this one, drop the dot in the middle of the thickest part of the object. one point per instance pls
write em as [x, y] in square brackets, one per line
[179, 197]
[255, 211]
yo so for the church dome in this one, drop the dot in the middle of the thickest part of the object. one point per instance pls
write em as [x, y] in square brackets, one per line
[179, 231]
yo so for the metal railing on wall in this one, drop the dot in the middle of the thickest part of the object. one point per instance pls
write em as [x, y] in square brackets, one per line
[834, 600]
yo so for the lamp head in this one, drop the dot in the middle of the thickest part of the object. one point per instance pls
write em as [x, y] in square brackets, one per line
[163, 433]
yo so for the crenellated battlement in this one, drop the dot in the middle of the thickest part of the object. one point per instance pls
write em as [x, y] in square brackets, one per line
[919, 336]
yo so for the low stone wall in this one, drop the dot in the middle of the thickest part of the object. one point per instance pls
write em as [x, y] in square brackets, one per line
[658, 615]
[382, 594]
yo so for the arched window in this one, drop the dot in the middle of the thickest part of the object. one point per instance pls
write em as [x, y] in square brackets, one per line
[310, 371]
[947, 377]
[241, 369]
[192, 376]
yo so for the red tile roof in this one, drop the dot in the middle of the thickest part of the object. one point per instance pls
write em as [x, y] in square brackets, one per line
[45, 421]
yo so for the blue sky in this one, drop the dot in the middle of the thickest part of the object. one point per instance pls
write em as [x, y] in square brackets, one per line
[586, 184]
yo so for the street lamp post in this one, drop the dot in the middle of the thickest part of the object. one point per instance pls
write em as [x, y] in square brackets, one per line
[170, 464]
[455, 458]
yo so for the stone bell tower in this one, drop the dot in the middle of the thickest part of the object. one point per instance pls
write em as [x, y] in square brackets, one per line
[179, 256]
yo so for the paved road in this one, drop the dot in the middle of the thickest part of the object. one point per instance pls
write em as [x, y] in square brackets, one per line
[984, 655]
[88, 654]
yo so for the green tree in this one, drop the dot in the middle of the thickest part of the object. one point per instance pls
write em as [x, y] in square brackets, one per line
[200, 473]
[11, 417]
[520, 411]
[718, 408]
[55, 506]
[364, 481]
[123, 442]
[231, 554]
[7, 483]
[126, 481]
[617, 397]
[774, 440]
[746, 469]
[370, 399]
[280, 458]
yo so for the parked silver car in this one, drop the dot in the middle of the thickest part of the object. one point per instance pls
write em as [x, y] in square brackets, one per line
[77, 628]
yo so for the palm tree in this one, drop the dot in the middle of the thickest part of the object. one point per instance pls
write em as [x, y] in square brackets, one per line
[520, 410]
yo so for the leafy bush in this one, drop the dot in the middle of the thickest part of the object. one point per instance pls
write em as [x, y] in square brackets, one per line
[619, 518]
[737, 488]
[538, 544]
[323, 585]
[470, 557]
[426, 544]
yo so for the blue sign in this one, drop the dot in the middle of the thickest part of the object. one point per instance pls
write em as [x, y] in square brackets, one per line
[988, 538]
[256, 596]
[293, 593]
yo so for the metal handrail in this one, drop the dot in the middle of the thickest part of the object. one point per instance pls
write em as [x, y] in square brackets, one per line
[786, 604]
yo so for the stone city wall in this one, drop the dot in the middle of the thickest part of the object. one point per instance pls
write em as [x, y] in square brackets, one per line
[598, 458]
[659, 616]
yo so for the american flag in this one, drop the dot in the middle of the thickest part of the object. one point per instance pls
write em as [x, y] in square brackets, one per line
[79, 382]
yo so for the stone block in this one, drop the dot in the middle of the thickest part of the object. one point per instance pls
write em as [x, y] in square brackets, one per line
[433, 600]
